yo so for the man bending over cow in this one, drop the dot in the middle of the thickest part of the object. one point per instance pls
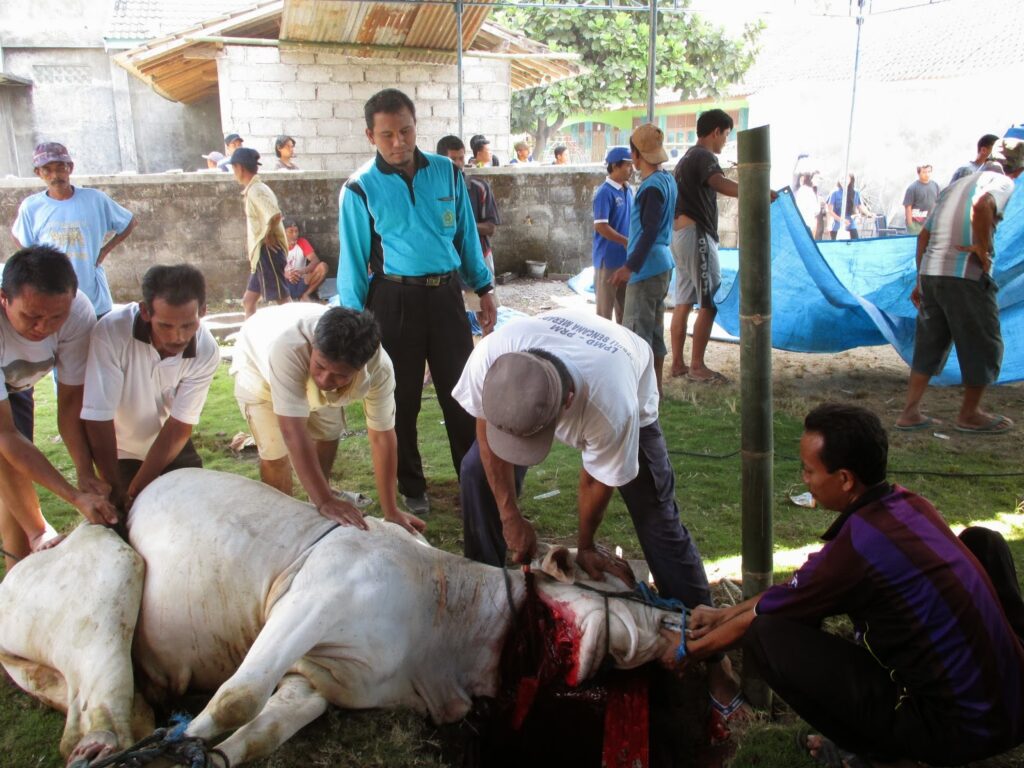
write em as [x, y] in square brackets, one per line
[44, 321]
[295, 367]
[150, 368]
[935, 669]
[590, 383]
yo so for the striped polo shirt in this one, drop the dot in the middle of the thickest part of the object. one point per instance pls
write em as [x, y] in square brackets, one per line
[949, 224]
[921, 604]
[395, 225]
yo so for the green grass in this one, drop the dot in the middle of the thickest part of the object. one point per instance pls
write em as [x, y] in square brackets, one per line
[698, 427]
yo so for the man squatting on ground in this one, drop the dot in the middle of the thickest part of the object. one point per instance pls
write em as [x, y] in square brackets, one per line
[149, 371]
[648, 266]
[590, 383]
[265, 239]
[935, 669]
[405, 217]
[955, 295]
[295, 369]
[45, 322]
[613, 202]
[74, 220]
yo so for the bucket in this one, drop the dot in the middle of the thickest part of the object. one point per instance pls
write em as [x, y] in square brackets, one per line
[535, 268]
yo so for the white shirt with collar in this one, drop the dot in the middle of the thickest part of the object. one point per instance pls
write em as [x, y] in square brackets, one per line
[127, 381]
[613, 371]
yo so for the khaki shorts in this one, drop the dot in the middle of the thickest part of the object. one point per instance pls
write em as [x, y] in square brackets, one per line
[323, 425]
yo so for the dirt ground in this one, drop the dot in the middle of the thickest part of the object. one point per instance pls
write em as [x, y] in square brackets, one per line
[875, 377]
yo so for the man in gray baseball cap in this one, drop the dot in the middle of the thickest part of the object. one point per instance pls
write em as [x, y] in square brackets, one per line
[589, 383]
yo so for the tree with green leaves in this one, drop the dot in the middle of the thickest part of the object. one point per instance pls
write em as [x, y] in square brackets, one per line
[694, 58]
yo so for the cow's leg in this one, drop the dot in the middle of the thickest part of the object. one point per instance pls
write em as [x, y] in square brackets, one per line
[293, 628]
[293, 706]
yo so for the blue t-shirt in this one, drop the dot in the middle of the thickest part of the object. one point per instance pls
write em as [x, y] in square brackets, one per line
[77, 227]
[394, 225]
[612, 206]
[835, 200]
[658, 190]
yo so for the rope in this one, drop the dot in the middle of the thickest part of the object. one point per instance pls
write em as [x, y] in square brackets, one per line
[15, 558]
[168, 743]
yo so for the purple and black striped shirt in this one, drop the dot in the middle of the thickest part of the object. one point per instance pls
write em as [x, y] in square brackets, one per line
[921, 604]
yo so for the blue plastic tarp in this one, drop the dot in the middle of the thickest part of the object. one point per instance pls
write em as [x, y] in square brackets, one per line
[832, 296]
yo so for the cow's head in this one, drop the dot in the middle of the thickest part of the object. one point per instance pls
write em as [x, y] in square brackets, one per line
[590, 623]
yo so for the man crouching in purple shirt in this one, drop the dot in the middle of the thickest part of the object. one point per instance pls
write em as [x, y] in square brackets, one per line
[936, 670]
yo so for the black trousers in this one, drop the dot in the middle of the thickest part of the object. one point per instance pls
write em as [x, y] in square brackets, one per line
[188, 457]
[670, 552]
[845, 694]
[422, 325]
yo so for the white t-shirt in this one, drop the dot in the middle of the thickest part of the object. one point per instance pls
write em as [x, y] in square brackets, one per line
[616, 391]
[127, 381]
[24, 362]
[271, 364]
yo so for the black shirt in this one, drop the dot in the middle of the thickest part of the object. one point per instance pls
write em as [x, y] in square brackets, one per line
[696, 199]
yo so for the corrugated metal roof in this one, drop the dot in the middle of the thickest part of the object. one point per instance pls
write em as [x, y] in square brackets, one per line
[183, 69]
[13, 80]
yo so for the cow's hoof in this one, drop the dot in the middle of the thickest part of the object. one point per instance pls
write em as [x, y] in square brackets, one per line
[93, 746]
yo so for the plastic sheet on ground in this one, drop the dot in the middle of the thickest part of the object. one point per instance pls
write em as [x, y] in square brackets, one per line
[831, 296]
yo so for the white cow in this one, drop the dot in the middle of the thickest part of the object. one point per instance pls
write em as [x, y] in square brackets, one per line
[254, 595]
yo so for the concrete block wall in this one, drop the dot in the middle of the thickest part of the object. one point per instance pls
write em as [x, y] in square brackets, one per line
[546, 214]
[317, 96]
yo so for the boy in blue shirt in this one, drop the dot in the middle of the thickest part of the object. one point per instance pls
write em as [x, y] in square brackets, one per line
[648, 268]
[612, 203]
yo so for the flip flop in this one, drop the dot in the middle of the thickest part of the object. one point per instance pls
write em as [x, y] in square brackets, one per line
[714, 378]
[997, 425]
[829, 755]
[928, 423]
[720, 716]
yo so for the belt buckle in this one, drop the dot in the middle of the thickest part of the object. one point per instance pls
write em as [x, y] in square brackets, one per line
[432, 281]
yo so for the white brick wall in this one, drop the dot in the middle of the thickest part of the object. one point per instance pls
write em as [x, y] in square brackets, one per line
[317, 97]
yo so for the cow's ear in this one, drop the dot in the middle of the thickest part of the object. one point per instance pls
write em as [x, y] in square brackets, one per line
[557, 562]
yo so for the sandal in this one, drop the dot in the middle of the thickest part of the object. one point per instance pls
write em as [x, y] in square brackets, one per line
[720, 716]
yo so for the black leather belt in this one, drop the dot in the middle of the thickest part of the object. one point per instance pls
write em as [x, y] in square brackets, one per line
[431, 281]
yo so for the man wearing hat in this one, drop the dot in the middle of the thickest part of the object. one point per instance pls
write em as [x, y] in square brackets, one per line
[265, 238]
[232, 141]
[213, 161]
[648, 268]
[590, 383]
[612, 203]
[74, 220]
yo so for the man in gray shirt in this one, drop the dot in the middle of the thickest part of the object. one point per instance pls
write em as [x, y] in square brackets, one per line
[919, 199]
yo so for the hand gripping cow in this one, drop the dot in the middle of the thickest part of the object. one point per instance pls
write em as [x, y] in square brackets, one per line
[234, 587]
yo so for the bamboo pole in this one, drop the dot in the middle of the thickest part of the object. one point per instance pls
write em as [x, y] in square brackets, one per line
[755, 374]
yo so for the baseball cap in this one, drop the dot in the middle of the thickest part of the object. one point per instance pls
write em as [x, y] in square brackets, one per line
[478, 141]
[50, 152]
[232, 137]
[617, 155]
[648, 139]
[246, 156]
[213, 156]
[522, 398]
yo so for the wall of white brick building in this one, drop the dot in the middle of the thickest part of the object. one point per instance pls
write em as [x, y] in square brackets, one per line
[317, 97]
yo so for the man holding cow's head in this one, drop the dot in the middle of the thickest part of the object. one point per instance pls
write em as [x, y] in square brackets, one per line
[150, 368]
[296, 366]
[45, 321]
[589, 383]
